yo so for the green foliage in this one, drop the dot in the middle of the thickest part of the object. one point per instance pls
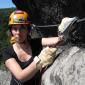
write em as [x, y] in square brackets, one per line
[4, 17]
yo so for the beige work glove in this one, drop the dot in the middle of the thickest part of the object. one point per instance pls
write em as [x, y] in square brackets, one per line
[65, 23]
[66, 26]
[46, 57]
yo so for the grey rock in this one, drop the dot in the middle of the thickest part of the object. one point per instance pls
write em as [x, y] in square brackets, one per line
[4, 77]
[67, 69]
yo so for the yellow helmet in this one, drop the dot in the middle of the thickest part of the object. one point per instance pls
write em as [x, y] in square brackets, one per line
[19, 17]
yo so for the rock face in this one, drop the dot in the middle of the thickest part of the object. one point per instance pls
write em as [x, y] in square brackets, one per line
[51, 11]
[4, 77]
[68, 68]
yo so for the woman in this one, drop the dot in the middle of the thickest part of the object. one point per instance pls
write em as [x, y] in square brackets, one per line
[20, 57]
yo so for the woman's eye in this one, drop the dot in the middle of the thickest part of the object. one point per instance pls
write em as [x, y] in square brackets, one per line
[15, 29]
[19, 28]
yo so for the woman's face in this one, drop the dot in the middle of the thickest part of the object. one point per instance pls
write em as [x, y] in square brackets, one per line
[20, 32]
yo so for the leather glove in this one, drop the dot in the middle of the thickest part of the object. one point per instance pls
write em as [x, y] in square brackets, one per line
[46, 57]
[66, 26]
[65, 23]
